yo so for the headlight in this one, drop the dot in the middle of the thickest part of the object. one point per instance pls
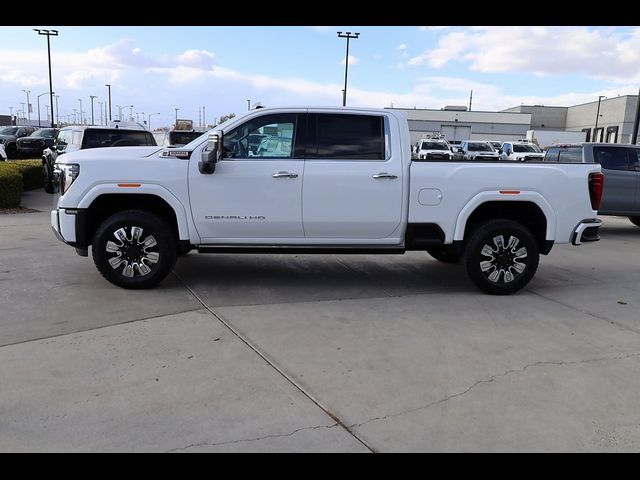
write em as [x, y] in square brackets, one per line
[66, 173]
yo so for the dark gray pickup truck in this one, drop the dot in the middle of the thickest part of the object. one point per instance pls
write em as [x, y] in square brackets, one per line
[621, 167]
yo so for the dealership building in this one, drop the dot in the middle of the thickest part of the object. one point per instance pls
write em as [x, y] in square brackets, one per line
[615, 121]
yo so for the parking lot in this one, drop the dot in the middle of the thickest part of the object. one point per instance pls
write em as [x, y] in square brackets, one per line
[317, 352]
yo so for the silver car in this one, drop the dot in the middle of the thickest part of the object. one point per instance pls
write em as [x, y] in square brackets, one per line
[621, 167]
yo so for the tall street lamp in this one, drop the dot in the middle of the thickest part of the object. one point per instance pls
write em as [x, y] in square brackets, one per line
[248, 104]
[45, 93]
[150, 118]
[595, 130]
[28, 104]
[101, 117]
[57, 110]
[176, 125]
[130, 112]
[119, 107]
[81, 119]
[109, 88]
[348, 36]
[92, 97]
[49, 34]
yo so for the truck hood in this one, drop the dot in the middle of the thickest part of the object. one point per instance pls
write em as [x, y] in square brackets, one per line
[108, 153]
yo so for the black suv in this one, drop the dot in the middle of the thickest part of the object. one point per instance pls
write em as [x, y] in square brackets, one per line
[33, 145]
[70, 139]
[9, 136]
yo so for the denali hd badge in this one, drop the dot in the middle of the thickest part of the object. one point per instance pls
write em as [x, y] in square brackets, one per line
[235, 217]
[176, 153]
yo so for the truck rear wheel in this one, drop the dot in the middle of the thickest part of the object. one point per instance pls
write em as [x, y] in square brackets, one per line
[47, 179]
[445, 254]
[501, 256]
[635, 221]
[134, 249]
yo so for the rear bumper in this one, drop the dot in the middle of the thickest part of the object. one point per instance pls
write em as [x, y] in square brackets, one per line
[586, 231]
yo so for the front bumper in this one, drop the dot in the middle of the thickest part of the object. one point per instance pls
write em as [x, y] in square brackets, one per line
[587, 231]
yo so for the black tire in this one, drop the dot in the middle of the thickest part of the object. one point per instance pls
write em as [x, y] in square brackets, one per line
[445, 254]
[635, 221]
[515, 267]
[47, 179]
[148, 265]
[11, 151]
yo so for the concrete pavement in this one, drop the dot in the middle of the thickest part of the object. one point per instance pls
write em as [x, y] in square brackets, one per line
[317, 352]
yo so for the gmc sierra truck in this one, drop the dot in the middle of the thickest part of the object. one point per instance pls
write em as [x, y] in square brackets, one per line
[345, 183]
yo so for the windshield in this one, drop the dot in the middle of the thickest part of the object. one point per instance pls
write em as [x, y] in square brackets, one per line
[8, 130]
[194, 143]
[434, 146]
[526, 149]
[44, 133]
[480, 147]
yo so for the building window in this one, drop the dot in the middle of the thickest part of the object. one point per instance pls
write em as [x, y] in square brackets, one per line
[598, 134]
[612, 134]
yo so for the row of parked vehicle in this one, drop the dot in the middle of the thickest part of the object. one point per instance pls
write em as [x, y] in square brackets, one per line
[438, 148]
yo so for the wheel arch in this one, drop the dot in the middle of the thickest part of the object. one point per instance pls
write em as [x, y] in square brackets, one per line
[529, 209]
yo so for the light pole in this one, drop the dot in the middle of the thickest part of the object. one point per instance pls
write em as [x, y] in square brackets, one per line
[348, 36]
[81, 120]
[248, 104]
[176, 125]
[109, 88]
[28, 104]
[101, 117]
[57, 110]
[92, 97]
[45, 93]
[11, 115]
[75, 116]
[119, 107]
[49, 34]
[595, 130]
[23, 114]
[150, 119]
[130, 112]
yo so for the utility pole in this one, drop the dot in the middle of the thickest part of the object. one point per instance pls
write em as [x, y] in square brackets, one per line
[100, 105]
[204, 123]
[348, 36]
[57, 110]
[92, 97]
[130, 113]
[176, 125]
[109, 88]
[470, 99]
[595, 130]
[248, 104]
[49, 34]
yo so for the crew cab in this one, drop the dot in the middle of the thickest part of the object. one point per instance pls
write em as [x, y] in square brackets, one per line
[346, 184]
[521, 152]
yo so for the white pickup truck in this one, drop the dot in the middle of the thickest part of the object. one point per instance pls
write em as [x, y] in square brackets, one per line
[346, 183]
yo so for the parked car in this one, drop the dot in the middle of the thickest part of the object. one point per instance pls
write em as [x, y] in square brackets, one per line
[34, 144]
[9, 136]
[273, 146]
[362, 194]
[175, 138]
[70, 139]
[496, 145]
[434, 149]
[621, 167]
[521, 152]
[477, 150]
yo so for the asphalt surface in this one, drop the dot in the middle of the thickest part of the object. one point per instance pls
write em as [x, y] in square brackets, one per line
[322, 353]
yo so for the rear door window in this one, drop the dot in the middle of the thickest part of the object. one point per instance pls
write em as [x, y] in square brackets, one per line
[116, 138]
[348, 137]
[612, 158]
[570, 155]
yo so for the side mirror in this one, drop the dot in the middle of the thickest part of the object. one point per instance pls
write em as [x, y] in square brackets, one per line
[211, 154]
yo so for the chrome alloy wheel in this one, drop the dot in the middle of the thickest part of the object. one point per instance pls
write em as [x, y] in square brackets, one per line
[504, 260]
[133, 253]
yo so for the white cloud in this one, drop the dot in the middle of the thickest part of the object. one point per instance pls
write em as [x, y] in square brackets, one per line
[352, 60]
[598, 53]
[402, 46]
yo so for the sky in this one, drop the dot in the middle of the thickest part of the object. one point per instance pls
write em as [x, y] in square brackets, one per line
[157, 69]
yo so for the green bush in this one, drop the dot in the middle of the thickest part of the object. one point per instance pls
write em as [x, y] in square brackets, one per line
[31, 171]
[10, 185]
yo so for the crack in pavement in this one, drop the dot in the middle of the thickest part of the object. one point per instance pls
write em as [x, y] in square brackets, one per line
[490, 380]
[229, 442]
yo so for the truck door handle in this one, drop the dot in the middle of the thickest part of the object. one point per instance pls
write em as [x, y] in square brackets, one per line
[390, 176]
[284, 175]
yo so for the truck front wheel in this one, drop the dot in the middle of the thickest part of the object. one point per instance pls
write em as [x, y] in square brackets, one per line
[501, 256]
[134, 249]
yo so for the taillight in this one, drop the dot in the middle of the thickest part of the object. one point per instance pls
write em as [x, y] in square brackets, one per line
[596, 187]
